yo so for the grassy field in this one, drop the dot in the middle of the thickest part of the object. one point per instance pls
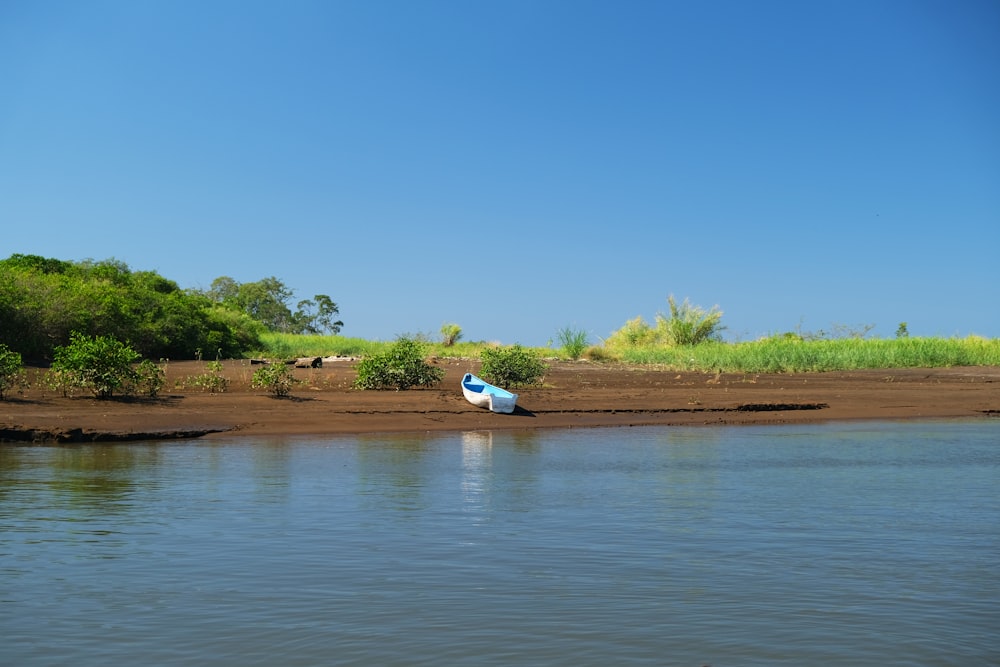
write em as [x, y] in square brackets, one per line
[772, 355]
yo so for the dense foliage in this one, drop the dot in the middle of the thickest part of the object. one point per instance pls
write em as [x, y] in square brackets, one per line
[512, 366]
[42, 301]
[400, 367]
[266, 301]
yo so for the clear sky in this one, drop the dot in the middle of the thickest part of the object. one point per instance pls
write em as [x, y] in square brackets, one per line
[523, 166]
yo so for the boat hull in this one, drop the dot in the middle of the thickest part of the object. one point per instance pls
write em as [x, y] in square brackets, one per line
[482, 394]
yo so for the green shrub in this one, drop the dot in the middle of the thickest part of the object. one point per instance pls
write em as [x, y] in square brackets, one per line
[276, 378]
[511, 366]
[101, 364]
[63, 381]
[573, 341]
[149, 378]
[212, 380]
[402, 366]
[12, 374]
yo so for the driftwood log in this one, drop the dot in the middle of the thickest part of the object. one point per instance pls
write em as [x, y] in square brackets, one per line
[309, 362]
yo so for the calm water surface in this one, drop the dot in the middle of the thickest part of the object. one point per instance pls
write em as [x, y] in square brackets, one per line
[850, 544]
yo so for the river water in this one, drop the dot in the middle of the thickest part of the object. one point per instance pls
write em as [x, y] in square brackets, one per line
[830, 544]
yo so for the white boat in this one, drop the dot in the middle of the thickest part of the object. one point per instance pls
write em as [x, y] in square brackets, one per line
[484, 395]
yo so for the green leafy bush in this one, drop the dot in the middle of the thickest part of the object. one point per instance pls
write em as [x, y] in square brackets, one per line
[101, 364]
[402, 366]
[276, 378]
[61, 380]
[511, 366]
[12, 374]
[212, 380]
[149, 378]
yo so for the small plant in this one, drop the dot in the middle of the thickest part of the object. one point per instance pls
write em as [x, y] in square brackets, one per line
[573, 341]
[450, 334]
[101, 364]
[902, 331]
[149, 378]
[276, 378]
[402, 366]
[511, 366]
[12, 374]
[212, 380]
[63, 381]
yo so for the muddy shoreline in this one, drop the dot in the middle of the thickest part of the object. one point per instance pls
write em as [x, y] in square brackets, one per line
[573, 394]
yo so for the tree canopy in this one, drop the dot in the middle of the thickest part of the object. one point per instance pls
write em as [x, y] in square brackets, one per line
[266, 301]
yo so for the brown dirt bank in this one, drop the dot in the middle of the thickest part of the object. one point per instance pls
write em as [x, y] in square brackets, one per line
[574, 394]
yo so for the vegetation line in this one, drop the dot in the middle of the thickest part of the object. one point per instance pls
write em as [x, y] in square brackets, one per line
[106, 329]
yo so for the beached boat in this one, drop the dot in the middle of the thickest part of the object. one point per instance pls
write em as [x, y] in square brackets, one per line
[484, 395]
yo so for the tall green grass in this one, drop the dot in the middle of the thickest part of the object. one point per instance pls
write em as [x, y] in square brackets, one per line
[289, 346]
[783, 355]
[770, 355]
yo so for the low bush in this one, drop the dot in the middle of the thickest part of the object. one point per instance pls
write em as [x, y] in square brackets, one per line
[101, 364]
[276, 378]
[402, 366]
[149, 378]
[512, 366]
[212, 380]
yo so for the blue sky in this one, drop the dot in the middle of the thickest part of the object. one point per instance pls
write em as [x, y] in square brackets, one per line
[520, 167]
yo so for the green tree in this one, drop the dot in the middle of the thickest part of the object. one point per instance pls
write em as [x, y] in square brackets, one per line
[402, 366]
[266, 301]
[223, 290]
[315, 316]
